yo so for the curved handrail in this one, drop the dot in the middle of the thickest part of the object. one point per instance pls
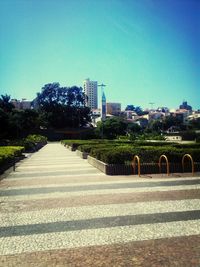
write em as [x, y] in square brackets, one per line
[191, 159]
[138, 162]
[159, 164]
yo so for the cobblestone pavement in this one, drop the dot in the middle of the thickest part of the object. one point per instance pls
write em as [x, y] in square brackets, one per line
[57, 210]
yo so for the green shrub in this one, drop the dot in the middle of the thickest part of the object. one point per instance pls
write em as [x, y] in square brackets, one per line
[30, 143]
[8, 153]
[152, 143]
[76, 143]
[87, 148]
[124, 154]
[36, 138]
[123, 151]
[86, 145]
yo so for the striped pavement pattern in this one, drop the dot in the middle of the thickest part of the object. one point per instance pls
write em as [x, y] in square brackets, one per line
[57, 210]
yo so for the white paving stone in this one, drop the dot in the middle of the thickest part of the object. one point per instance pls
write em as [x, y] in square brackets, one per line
[93, 237]
[98, 211]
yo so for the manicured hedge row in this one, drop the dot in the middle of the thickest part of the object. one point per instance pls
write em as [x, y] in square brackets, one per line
[8, 153]
[87, 148]
[86, 145]
[31, 143]
[74, 144]
[122, 155]
[123, 151]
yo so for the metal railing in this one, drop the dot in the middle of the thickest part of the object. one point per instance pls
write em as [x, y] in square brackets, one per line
[134, 164]
[167, 162]
[192, 162]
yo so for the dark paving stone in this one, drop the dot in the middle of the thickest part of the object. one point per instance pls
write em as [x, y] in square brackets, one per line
[98, 223]
[46, 190]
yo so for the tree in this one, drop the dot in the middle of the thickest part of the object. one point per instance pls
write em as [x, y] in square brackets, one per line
[75, 96]
[16, 123]
[62, 106]
[4, 122]
[171, 121]
[133, 128]
[111, 128]
[139, 111]
[130, 108]
[194, 124]
[136, 109]
[5, 103]
[22, 122]
[53, 95]
[155, 126]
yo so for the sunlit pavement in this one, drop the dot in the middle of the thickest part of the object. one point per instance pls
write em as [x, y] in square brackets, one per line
[57, 210]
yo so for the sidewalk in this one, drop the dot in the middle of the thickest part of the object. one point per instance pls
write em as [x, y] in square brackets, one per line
[58, 210]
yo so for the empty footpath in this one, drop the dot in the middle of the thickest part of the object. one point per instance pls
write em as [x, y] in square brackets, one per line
[58, 210]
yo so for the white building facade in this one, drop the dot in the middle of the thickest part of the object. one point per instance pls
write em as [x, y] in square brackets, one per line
[90, 89]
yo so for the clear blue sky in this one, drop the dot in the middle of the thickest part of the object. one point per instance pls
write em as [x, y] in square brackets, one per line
[143, 50]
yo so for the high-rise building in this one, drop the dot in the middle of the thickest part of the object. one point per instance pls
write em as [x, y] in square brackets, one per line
[90, 89]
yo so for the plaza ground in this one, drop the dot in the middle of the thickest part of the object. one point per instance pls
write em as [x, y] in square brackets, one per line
[57, 210]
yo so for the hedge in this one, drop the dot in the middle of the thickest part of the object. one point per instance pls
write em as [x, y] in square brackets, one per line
[123, 151]
[76, 144]
[8, 153]
[31, 143]
[122, 155]
[87, 148]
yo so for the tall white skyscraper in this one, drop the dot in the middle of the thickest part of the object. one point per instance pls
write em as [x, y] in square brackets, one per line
[90, 88]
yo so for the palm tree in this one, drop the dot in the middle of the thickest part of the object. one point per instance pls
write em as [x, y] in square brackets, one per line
[5, 103]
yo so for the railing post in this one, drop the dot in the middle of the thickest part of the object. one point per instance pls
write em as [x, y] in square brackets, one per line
[138, 162]
[191, 159]
[159, 164]
[14, 164]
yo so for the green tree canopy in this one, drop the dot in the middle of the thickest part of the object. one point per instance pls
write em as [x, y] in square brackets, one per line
[62, 107]
[137, 109]
[52, 95]
[111, 128]
[5, 103]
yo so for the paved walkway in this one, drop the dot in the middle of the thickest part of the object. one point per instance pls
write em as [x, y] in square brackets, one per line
[57, 210]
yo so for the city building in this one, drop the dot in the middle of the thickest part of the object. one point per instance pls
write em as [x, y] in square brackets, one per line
[182, 114]
[113, 108]
[96, 112]
[173, 137]
[21, 104]
[184, 105]
[194, 116]
[90, 89]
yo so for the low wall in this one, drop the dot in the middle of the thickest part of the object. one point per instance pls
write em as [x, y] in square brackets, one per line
[97, 163]
[82, 155]
[70, 148]
[145, 168]
[10, 163]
